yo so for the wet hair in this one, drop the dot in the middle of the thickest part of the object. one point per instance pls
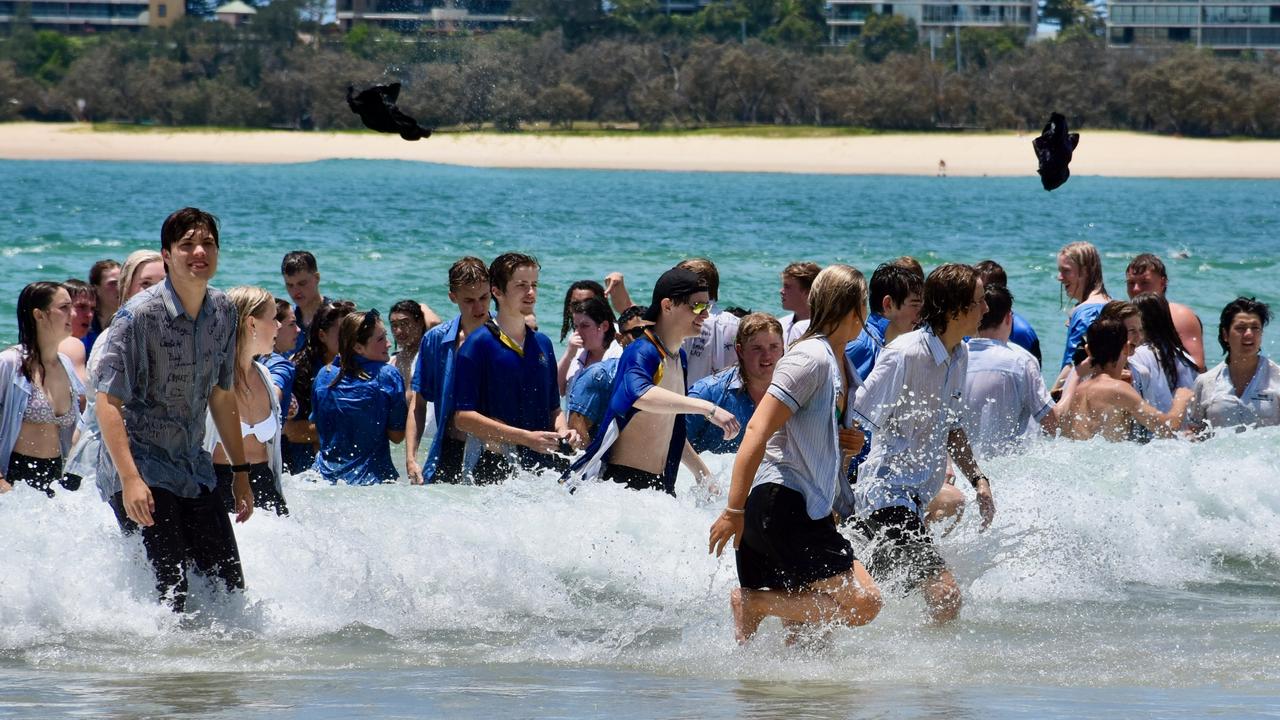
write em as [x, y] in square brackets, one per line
[599, 312]
[469, 270]
[298, 261]
[1105, 340]
[567, 321]
[313, 356]
[894, 280]
[355, 328]
[1089, 263]
[282, 309]
[38, 295]
[756, 323]
[1162, 336]
[911, 264]
[100, 268]
[992, 273]
[1249, 306]
[1144, 262]
[183, 221]
[837, 291]
[249, 302]
[706, 270]
[803, 273]
[632, 313]
[132, 264]
[504, 266]
[999, 305]
[412, 308]
[78, 288]
[948, 292]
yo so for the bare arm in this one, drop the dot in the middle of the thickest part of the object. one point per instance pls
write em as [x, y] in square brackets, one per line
[413, 425]
[226, 418]
[578, 423]
[962, 454]
[615, 286]
[135, 495]
[770, 415]
[488, 429]
[1058, 414]
[1191, 332]
[1162, 424]
[661, 401]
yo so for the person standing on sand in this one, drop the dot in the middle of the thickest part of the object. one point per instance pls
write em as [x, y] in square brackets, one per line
[913, 402]
[793, 563]
[170, 358]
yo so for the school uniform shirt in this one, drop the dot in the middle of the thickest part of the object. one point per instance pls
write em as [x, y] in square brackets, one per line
[301, 342]
[1024, 336]
[579, 364]
[15, 395]
[912, 400]
[590, 392]
[1156, 391]
[163, 364]
[724, 389]
[791, 329]
[1077, 325]
[1004, 395]
[713, 350]
[1215, 401]
[283, 372]
[433, 379]
[863, 350]
[515, 385]
[353, 418]
[639, 368]
[804, 455]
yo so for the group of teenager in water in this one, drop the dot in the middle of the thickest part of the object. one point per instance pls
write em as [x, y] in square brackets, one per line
[851, 416]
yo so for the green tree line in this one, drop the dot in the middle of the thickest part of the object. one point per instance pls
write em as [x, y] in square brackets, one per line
[637, 68]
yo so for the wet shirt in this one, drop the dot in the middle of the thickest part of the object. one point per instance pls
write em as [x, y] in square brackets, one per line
[1156, 391]
[1077, 325]
[804, 454]
[863, 350]
[792, 329]
[433, 379]
[1024, 336]
[1215, 401]
[1004, 392]
[724, 389]
[516, 388]
[15, 396]
[590, 391]
[163, 364]
[714, 349]
[282, 373]
[301, 342]
[912, 400]
[353, 418]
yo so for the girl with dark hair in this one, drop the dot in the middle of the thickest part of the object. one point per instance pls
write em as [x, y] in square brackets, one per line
[1162, 355]
[1243, 390]
[594, 328]
[358, 404]
[320, 349]
[40, 396]
[577, 292]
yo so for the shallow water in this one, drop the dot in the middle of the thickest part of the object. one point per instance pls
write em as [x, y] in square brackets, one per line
[1118, 580]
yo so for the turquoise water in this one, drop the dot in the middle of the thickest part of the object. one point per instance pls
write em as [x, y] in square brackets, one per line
[1117, 580]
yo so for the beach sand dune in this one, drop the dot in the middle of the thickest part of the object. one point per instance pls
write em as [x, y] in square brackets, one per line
[1116, 154]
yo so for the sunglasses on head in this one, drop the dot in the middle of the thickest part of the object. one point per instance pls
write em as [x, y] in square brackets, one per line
[371, 316]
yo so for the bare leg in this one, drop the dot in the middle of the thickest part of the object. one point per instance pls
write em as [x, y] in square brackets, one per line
[949, 502]
[942, 595]
[851, 598]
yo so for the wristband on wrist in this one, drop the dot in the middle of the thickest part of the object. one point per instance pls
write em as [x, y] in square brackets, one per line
[736, 511]
[976, 478]
[711, 410]
[241, 468]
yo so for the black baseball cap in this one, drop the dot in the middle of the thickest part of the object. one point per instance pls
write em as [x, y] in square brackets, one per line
[676, 282]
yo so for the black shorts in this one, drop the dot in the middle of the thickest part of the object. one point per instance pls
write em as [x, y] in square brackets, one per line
[187, 531]
[637, 479]
[782, 548]
[261, 481]
[449, 464]
[39, 473]
[901, 547]
[493, 468]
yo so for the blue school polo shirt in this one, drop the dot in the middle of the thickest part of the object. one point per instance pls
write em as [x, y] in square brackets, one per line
[590, 392]
[724, 389]
[1024, 336]
[433, 379]
[518, 389]
[863, 350]
[283, 373]
[352, 419]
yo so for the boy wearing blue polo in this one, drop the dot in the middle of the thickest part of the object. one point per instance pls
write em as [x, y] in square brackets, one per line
[505, 390]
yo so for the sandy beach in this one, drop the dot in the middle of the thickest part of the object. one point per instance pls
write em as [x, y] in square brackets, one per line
[1116, 154]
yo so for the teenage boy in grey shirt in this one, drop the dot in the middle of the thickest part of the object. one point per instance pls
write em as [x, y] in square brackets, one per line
[913, 402]
[170, 358]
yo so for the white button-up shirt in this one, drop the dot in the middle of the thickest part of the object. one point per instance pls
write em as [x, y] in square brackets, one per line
[911, 401]
[713, 350]
[1003, 392]
[1215, 401]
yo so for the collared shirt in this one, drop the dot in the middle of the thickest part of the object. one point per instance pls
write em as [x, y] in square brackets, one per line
[911, 401]
[353, 418]
[1215, 401]
[804, 455]
[1004, 391]
[1077, 325]
[516, 389]
[792, 330]
[15, 395]
[590, 392]
[863, 350]
[579, 364]
[713, 350]
[91, 337]
[433, 379]
[1157, 392]
[283, 373]
[162, 363]
[1024, 336]
[724, 389]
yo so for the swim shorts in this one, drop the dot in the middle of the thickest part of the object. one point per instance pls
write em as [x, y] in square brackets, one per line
[783, 548]
[900, 544]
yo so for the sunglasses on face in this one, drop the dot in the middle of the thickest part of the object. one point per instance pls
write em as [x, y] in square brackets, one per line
[699, 307]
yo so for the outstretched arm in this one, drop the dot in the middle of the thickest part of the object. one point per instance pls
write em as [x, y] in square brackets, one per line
[962, 454]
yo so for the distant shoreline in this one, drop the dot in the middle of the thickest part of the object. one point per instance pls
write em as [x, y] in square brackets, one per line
[967, 154]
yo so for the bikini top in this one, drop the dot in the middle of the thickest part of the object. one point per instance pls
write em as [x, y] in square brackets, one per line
[265, 430]
[40, 412]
